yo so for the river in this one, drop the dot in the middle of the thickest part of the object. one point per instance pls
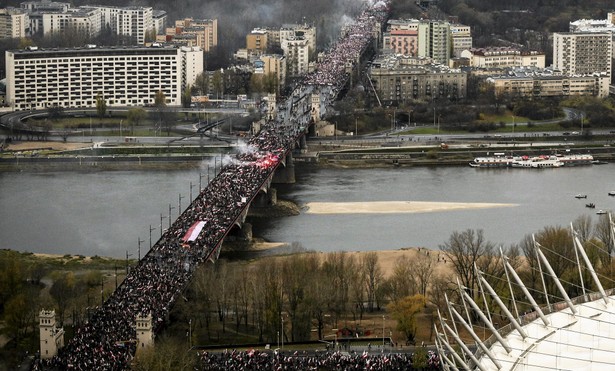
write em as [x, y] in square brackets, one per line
[107, 213]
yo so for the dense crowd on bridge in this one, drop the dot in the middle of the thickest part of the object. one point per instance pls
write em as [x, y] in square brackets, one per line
[331, 70]
[318, 361]
[107, 341]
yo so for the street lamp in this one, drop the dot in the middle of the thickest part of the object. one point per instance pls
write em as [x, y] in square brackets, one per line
[191, 185]
[170, 208]
[150, 239]
[139, 240]
[161, 218]
[201, 177]
[127, 255]
[179, 204]
[383, 333]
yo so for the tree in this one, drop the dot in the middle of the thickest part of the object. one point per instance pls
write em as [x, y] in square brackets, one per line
[160, 102]
[135, 116]
[464, 249]
[187, 97]
[101, 105]
[62, 291]
[404, 311]
[424, 270]
[372, 276]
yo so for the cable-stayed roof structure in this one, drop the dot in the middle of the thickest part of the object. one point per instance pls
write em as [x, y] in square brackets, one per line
[570, 334]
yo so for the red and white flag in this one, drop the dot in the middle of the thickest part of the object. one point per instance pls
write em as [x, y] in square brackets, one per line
[194, 231]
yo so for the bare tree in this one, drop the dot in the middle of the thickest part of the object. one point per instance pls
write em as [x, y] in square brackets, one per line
[372, 277]
[423, 269]
[464, 251]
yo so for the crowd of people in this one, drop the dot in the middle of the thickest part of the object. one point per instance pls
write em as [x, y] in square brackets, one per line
[107, 341]
[317, 361]
[331, 70]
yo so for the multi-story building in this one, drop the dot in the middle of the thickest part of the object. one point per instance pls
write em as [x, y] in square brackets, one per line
[403, 42]
[401, 80]
[461, 37]
[14, 23]
[293, 31]
[403, 25]
[272, 65]
[257, 41]
[82, 20]
[533, 85]
[135, 22]
[582, 53]
[297, 52]
[193, 32]
[123, 76]
[502, 57]
[434, 41]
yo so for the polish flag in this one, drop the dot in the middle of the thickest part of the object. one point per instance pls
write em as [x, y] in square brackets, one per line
[194, 231]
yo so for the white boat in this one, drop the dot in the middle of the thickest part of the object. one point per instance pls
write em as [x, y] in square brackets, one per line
[611, 193]
[540, 162]
[575, 160]
[580, 196]
[600, 212]
[494, 161]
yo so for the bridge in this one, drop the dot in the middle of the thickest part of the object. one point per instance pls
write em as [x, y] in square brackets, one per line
[109, 339]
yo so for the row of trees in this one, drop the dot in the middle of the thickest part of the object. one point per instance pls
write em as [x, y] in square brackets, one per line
[295, 295]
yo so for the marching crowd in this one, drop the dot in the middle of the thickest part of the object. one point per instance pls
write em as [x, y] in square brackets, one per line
[107, 341]
[318, 361]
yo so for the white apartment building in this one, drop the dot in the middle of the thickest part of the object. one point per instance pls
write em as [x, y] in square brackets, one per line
[124, 76]
[13, 23]
[292, 31]
[582, 53]
[403, 25]
[297, 52]
[88, 21]
[536, 85]
[502, 57]
[434, 41]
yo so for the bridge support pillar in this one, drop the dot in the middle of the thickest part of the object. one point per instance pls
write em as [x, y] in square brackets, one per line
[285, 174]
[266, 199]
[246, 231]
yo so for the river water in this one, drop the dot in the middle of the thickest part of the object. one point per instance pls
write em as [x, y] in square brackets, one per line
[107, 213]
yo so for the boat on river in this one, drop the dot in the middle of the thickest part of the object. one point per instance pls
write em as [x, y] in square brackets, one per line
[591, 205]
[600, 212]
[580, 196]
[494, 161]
[611, 193]
[539, 162]
[521, 161]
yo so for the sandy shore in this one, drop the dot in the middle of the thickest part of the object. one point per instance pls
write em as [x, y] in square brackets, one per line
[57, 146]
[397, 207]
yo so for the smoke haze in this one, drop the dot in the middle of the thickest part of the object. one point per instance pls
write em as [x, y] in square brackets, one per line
[238, 17]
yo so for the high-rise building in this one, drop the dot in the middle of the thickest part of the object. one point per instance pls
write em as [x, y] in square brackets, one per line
[434, 41]
[296, 51]
[582, 53]
[123, 76]
[13, 23]
[502, 57]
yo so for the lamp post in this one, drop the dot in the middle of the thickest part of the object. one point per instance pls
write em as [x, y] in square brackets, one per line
[282, 319]
[179, 204]
[161, 218]
[200, 179]
[383, 333]
[190, 332]
[139, 240]
[102, 290]
[127, 255]
[150, 239]
[170, 208]
[191, 185]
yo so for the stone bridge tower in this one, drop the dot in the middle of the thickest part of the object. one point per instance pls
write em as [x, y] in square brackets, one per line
[145, 333]
[51, 337]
